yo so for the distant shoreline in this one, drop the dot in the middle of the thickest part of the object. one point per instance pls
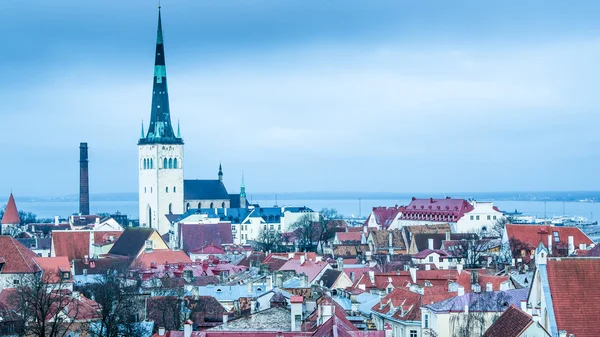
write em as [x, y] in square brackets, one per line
[568, 196]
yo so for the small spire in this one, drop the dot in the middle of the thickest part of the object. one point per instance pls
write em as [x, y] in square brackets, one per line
[243, 187]
[178, 130]
[220, 172]
[142, 129]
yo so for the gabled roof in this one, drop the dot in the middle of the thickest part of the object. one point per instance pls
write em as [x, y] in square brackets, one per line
[422, 240]
[405, 305]
[310, 268]
[72, 244]
[329, 277]
[594, 252]
[575, 293]
[512, 323]
[11, 214]
[426, 252]
[16, 257]
[198, 236]
[487, 301]
[52, 267]
[381, 239]
[349, 237]
[131, 241]
[161, 256]
[384, 216]
[204, 190]
[532, 235]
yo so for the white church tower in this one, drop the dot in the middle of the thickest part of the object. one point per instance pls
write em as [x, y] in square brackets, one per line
[160, 154]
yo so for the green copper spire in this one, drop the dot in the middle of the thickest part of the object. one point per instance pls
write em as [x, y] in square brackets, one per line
[142, 129]
[160, 130]
[243, 187]
[178, 130]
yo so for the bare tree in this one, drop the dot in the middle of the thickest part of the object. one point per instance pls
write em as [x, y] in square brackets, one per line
[483, 310]
[165, 311]
[268, 240]
[471, 250]
[121, 306]
[307, 231]
[326, 225]
[46, 304]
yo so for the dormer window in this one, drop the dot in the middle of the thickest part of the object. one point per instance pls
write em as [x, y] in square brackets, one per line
[556, 238]
[66, 275]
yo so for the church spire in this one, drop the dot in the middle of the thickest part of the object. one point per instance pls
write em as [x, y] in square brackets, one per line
[160, 130]
[243, 187]
[220, 172]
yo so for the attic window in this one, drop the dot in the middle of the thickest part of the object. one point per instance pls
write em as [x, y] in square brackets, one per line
[66, 275]
[428, 284]
[219, 290]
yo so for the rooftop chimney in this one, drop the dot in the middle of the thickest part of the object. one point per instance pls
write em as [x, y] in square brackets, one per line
[459, 268]
[571, 245]
[413, 274]
[549, 244]
[302, 259]
[187, 328]
[225, 319]
[488, 286]
[430, 244]
[296, 312]
[447, 235]
[161, 331]
[461, 290]
[84, 188]
[56, 220]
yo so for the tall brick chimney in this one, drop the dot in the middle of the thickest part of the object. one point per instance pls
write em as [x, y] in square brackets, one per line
[84, 188]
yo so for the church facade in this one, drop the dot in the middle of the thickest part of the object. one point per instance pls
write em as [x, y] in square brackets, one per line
[162, 188]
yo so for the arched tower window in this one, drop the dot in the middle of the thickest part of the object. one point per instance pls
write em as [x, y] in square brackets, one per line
[165, 163]
[170, 162]
[151, 163]
[175, 163]
[170, 208]
[187, 207]
[167, 189]
[145, 163]
[212, 205]
[223, 204]
[174, 189]
[199, 205]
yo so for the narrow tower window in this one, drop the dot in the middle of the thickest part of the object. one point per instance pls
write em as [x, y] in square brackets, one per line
[151, 163]
[165, 163]
[175, 163]
[145, 163]
[167, 189]
[170, 163]
[174, 189]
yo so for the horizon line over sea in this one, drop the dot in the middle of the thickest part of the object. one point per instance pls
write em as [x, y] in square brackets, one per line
[346, 207]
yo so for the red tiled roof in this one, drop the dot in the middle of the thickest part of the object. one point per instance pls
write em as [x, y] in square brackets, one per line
[162, 256]
[17, 258]
[410, 303]
[310, 268]
[52, 267]
[384, 215]
[453, 208]
[11, 214]
[424, 253]
[575, 293]
[101, 237]
[512, 323]
[296, 299]
[349, 236]
[209, 250]
[532, 235]
[72, 244]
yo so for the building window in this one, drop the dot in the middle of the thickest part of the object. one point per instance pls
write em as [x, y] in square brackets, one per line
[175, 163]
[426, 321]
[494, 217]
[170, 163]
[472, 217]
[170, 208]
[167, 189]
[150, 189]
[15, 282]
[556, 238]
[144, 190]
[477, 217]
[187, 207]
[489, 217]
[223, 204]
[66, 275]
[151, 163]
[199, 205]
[212, 205]
[145, 163]
[413, 333]
[431, 259]
[449, 259]
[174, 189]
[165, 163]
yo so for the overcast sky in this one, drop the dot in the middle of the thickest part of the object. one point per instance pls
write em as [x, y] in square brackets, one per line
[307, 95]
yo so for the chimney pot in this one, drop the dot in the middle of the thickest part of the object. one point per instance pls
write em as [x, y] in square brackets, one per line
[430, 244]
[161, 331]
